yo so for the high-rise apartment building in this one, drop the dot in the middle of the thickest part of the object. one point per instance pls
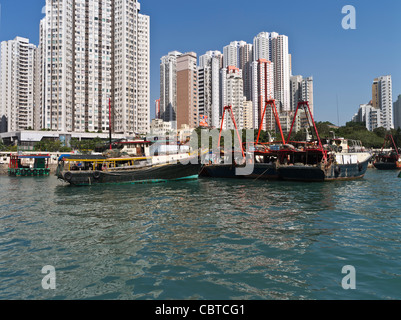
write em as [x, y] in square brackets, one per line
[17, 84]
[209, 87]
[280, 59]
[93, 51]
[375, 94]
[385, 101]
[142, 118]
[187, 90]
[232, 94]
[261, 47]
[245, 62]
[262, 91]
[168, 87]
[397, 113]
[301, 89]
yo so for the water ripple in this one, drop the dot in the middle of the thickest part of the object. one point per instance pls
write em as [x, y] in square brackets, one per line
[206, 239]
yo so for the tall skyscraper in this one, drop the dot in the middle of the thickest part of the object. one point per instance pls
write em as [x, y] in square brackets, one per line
[168, 87]
[262, 91]
[385, 100]
[375, 94]
[280, 59]
[261, 47]
[142, 118]
[93, 51]
[209, 86]
[245, 60]
[301, 89]
[17, 84]
[232, 94]
[397, 113]
[157, 109]
[187, 90]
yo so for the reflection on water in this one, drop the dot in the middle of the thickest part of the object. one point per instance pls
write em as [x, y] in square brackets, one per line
[205, 239]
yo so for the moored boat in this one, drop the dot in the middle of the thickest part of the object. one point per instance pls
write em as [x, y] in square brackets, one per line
[260, 157]
[337, 159]
[35, 165]
[317, 164]
[388, 160]
[97, 169]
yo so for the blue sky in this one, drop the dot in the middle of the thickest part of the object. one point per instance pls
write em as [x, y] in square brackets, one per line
[342, 62]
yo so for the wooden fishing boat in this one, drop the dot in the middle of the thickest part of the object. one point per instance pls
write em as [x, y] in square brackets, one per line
[34, 165]
[98, 169]
[388, 160]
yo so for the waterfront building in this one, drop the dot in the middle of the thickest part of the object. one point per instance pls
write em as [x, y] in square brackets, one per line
[261, 47]
[245, 62]
[17, 84]
[209, 87]
[89, 58]
[231, 54]
[374, 119]
[383, 99]
[232, 94]
[187, 90]
[158, 127]
[262, 74]
[280, 59]
[168, 87]
[397, 113]
[301, 89]
[369, 115]
[157, 109]
[248, 115]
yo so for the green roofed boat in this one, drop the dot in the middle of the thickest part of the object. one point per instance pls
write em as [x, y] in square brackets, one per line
[29, 165]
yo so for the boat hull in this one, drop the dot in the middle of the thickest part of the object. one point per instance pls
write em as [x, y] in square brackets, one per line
[153, 174]
[387, 165]
[317, 174]
[261, 171]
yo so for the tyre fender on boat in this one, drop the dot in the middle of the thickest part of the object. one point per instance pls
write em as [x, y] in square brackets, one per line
[96, 174]
[68, 176]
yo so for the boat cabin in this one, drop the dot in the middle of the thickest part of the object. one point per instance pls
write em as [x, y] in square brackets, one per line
[135, 148]
[29, 165]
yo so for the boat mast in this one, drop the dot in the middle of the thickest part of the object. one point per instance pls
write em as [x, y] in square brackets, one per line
[305, 105]
[272, 103]
[110, 124]
[229, 108]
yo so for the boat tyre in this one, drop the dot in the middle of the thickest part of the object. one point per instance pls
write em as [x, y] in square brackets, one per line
[68, 176]
[35, 172]
[96, 174]
[360, 167]
[23, 173]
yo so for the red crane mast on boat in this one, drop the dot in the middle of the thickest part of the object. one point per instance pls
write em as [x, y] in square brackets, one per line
[305, 105]
[392, 140]
[271, 103]
[229, 108]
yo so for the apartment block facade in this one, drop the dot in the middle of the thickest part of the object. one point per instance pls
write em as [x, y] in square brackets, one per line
[17, 85]
[187, 90]
[232, 94]
[209, 87]
[262, 91]
[93, 52]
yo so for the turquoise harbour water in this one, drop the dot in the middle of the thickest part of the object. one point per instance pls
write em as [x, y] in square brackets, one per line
[202, 239]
